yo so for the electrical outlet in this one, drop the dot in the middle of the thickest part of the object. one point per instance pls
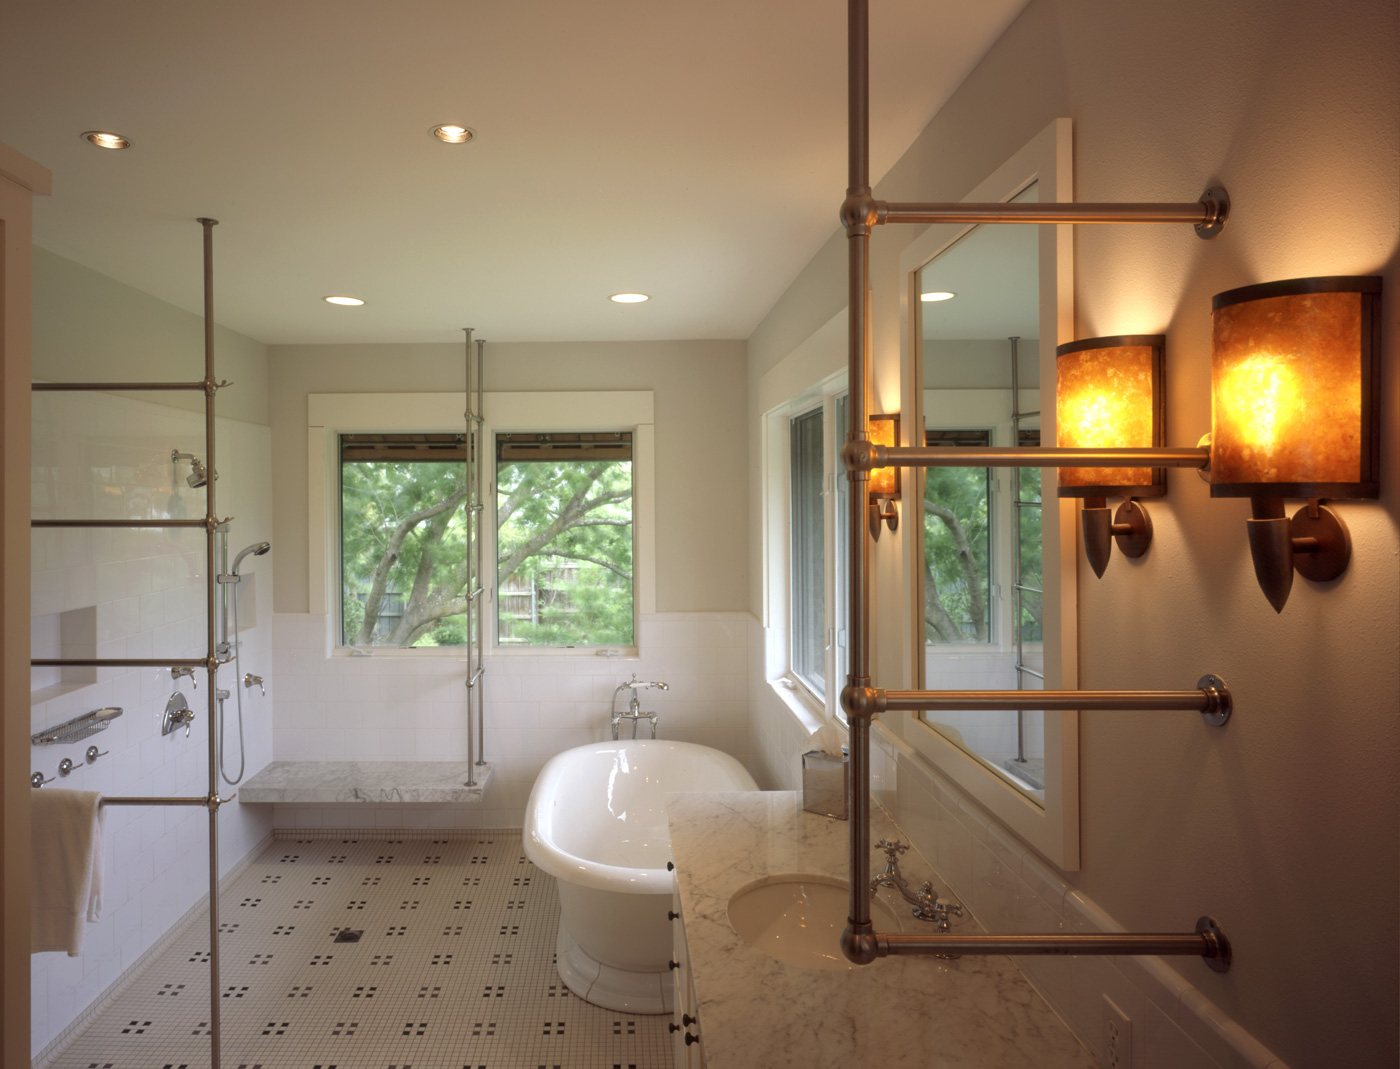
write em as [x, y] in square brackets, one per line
[1118, 1037]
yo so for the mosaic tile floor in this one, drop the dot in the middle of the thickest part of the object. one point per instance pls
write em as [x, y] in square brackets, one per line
[453, 968]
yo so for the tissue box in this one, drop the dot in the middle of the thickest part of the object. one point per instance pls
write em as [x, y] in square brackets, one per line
[825, 783]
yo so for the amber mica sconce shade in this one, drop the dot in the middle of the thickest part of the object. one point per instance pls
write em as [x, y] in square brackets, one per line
[1108, 395]
[884, 486]
[1295, 369]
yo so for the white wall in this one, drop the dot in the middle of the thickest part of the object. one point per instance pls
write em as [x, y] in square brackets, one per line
[137, 593]
[1284, 824]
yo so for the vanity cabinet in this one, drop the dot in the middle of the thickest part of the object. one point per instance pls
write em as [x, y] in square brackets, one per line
[688, 1050]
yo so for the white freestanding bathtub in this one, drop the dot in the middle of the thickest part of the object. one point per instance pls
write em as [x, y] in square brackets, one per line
[596, 822]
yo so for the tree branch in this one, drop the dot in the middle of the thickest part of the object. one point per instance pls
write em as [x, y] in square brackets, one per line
[591, 560]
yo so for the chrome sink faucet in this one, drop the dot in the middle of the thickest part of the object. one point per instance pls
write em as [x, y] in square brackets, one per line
[634, 706]
[926, 903]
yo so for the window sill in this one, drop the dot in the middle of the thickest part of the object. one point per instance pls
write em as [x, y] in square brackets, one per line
[808, 714]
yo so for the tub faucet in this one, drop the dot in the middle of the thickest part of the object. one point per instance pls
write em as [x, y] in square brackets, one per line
[927, 906]
[634, 706]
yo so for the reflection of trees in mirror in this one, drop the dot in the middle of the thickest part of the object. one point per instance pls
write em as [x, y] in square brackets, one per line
[406, 565]
[1028, 545]
[565, 552]
[956, 551]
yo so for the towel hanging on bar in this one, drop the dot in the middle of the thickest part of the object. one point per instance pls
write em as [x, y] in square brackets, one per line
[65, 876]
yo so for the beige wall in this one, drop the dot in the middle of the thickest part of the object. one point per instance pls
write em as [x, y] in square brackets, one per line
[21, 179]
[96, 329]
[700, 448]
[1284, 824]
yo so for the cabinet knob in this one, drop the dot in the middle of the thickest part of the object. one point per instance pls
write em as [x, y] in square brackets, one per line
[689, 1020]
[689, 1039]
[673, 965]
[673, 1027]
[670, 866]
[671, 914]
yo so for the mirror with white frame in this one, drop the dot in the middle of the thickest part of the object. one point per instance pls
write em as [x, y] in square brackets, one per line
[984, 534]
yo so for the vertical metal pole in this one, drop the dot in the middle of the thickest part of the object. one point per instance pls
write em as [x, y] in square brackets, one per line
[212, 664]
[1016, 542]
[858, 234]
[478, 606]
[473, 533]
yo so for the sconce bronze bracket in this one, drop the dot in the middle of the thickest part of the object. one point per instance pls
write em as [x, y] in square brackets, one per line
[1130, 527]
[882, 510]
[1315, 542]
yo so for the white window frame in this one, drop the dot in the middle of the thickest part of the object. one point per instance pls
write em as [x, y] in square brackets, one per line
[331, 415]
[777, 535]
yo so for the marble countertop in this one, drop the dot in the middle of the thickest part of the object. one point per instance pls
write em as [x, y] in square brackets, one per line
[382, 782]
[757, 1011]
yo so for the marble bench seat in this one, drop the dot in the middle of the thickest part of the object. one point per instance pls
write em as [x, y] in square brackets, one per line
[374, 782]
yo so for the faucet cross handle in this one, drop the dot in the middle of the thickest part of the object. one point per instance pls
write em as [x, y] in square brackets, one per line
[892, 848]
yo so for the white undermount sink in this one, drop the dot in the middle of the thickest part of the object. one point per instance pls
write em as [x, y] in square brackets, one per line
[798, 917]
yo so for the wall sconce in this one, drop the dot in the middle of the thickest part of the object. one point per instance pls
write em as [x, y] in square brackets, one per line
[884, 487]
[1295, 367]
[1108, 394]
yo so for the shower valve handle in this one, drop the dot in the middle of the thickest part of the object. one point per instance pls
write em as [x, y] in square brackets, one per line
[250, 681]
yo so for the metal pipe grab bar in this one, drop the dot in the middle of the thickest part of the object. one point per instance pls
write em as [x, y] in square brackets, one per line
[118, 523]
[1207, 942]
[1211, 699]
[1204, 212]
[119, 662]
[212, 802]
[57, 387]
[918, 456]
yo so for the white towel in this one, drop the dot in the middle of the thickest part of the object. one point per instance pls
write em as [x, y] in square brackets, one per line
[65, 879]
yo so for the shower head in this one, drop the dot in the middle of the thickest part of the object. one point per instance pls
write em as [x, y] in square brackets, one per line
[257, 549]
[199, 475]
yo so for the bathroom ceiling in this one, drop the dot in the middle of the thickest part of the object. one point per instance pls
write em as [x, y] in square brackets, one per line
[695, 152]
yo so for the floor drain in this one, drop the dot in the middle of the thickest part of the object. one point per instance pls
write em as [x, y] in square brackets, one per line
[345, 935]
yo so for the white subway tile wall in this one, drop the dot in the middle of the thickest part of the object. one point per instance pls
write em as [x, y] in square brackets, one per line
[1008, 889]
[139, 594]
[405, 707]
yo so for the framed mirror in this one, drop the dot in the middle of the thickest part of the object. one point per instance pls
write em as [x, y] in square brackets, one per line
[995, 604]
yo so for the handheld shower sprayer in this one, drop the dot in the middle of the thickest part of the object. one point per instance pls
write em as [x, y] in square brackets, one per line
[198, 475]
[257, 549]
[231, 577]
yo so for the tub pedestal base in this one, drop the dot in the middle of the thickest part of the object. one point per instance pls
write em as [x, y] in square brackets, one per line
[611, 988]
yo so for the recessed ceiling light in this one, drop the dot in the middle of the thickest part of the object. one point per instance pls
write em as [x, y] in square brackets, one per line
[350, 301]
[104, 139]
[937, 295]
[453, 134]
[629, 298]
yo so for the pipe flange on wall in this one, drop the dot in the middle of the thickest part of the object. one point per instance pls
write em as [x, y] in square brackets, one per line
[1219, 703]
[1220, 955]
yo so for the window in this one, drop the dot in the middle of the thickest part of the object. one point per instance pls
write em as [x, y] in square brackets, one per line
[412, 434]
[807, 578]
[958, 509]
[806, 535]
[403, 547]
[564, 539]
